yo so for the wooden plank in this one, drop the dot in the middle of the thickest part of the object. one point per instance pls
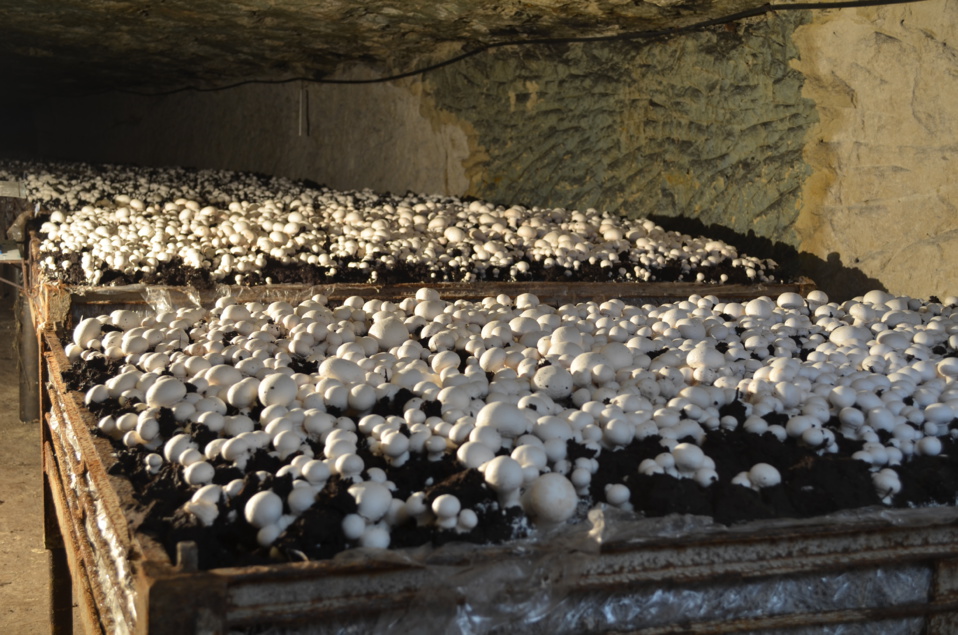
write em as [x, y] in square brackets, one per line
[63, 305]
[61, 582]
[84, 587]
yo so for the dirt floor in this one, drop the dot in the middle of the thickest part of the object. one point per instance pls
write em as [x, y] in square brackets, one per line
[24, 576]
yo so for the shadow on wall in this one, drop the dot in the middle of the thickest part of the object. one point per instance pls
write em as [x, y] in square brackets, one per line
[840, 282]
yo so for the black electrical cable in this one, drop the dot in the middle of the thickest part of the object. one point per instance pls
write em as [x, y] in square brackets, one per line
[632, 35]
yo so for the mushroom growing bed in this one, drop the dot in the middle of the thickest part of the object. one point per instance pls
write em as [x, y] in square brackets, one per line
[297, 431]
[113, 225]
[294, 432]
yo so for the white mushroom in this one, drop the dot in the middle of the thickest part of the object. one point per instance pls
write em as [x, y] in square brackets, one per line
[263, 508]
[763, 475]
[505, 476]
[446, 508]
[550, 499]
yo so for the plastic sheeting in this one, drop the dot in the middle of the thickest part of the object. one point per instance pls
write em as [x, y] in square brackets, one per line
[520, 598]
[536, 587]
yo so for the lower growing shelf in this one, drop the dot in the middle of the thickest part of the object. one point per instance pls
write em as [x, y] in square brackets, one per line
[894, 570]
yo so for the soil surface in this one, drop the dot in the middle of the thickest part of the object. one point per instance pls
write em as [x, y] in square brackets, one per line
[176, 273]
[812, 484]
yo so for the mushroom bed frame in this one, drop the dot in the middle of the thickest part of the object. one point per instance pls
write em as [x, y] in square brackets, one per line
[896, 570]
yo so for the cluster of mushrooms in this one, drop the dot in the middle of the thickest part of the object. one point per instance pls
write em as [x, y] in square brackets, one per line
[517, 382]
[234, 230]
[67, 186]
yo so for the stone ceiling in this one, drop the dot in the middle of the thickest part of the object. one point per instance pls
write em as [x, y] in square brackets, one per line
[60, 48]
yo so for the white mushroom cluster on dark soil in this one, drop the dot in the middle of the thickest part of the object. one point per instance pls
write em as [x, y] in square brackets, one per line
[111, 225]
[292, 431]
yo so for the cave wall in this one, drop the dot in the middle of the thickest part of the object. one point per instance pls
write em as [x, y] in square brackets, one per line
[348, 137]
[821, 138]
[882, 196]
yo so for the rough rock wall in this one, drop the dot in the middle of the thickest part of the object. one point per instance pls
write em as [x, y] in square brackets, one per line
[883, 197]
[708, 126]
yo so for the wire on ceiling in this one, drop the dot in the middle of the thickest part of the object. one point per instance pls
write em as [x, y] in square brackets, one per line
[619, 37]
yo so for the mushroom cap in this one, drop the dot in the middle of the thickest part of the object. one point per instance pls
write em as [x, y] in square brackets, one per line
[929, 446]
[446, 506]
[342, 369]
[619, 355]
[315, 471]
[790, 300]
[948, 367]
[688, 457]
[705, 356]
[263, 508]
[764, 475]
[177, 445]
[204, 510]
[759, 307]
[849, 334]
[199, 473]
[508, 419]
[300, 499]
[503, 474]
[554, 381]
[166, 392]
[235, 313]
[222, 375]
[87, 330]
[277, 389]
[550, 499]
[389, 332]
[124, 319]
[243, 393]
[584, 364]
[472, 454]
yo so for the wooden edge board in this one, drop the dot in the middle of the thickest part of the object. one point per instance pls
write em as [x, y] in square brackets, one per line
[86, 590]
[58, 303]
[559, 291]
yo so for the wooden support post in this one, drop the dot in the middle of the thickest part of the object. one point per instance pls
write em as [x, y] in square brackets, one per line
[29, 362]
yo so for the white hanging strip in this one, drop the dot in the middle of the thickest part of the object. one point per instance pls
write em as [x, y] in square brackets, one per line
[303, 110]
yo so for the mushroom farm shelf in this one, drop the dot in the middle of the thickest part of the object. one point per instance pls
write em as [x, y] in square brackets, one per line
[891, 569]
[126, 582]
